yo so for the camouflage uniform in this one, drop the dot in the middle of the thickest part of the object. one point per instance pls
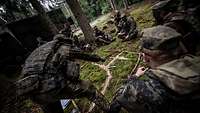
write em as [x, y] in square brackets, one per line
[117, 18]
[128, 28]
[170, 13]
[185, 4]
[50, 73]
[172, 87]
[188, 26]
[102, 37]
[162, 8]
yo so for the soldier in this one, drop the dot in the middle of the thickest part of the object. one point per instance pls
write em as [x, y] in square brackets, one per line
[172, 14]
[185, 4]
[117, 18]
[66, 30]
[128, 28]
[163, 8]
[102, 37]
[171, 85]
[51, 73]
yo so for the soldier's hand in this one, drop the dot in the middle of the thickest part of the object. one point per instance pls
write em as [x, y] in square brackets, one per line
[141, 71]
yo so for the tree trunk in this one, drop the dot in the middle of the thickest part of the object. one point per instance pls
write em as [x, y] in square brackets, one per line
[125, 4]
[44, 17]
[113, 4]
[82, 20]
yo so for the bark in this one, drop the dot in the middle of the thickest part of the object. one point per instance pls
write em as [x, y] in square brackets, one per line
[44, 17]
[82, 20]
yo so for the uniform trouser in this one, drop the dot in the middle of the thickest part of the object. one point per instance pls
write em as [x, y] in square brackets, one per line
[86, 89]
[74, 90]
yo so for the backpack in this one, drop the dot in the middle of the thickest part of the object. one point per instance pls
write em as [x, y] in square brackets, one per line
[180, 75]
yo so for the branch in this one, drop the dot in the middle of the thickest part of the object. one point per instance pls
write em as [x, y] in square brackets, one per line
[137, 64]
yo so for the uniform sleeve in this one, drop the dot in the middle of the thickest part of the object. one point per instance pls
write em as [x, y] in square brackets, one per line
[61, 55]
[139, 96]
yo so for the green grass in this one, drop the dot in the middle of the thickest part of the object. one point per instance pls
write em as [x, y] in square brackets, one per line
[121, 68]
[94, 74]
[143, 16]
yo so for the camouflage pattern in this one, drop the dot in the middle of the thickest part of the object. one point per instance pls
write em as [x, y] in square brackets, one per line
[172, 87]
[181, 15]
[162, 8]
[50, 74]
[160, 38]
[185, 4]
[186, 75]
[66, 30]
[188, 25]
[147, 94]
[102, 37]
[117, 18]
[128, 28]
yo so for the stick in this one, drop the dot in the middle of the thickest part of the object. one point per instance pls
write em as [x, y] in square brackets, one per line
[75, 105]
[137, 64]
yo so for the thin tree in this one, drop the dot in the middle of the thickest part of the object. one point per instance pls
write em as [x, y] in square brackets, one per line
[125, 4]
[44, 17]
[113, 4]
[82, 20]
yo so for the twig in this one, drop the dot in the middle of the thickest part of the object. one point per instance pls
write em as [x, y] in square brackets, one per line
[76, 106]
[137, 64]
[82, 66]
[109, 74]
[108, 79]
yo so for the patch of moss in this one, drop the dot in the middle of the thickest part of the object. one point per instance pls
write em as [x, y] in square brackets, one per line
[120, 69]
[94, 74]
[143, 16]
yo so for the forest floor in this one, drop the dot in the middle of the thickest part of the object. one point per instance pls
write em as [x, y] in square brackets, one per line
[120, 56]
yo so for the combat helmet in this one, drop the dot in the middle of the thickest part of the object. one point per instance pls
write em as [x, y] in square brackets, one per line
[160, 38]
[36, 61]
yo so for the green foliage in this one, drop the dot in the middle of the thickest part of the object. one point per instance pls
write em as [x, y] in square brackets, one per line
[120, 69]
[104, 6]
[143, 16]
[93, 73]
[94, 8]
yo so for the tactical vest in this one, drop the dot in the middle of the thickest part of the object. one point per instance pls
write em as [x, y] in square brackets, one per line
[181, 75]
[35, 62]
[39, 70]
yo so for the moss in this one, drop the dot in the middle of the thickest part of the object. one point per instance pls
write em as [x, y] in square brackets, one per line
[143, 16]
[94, 74]
[120, 69]
[124, 67]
